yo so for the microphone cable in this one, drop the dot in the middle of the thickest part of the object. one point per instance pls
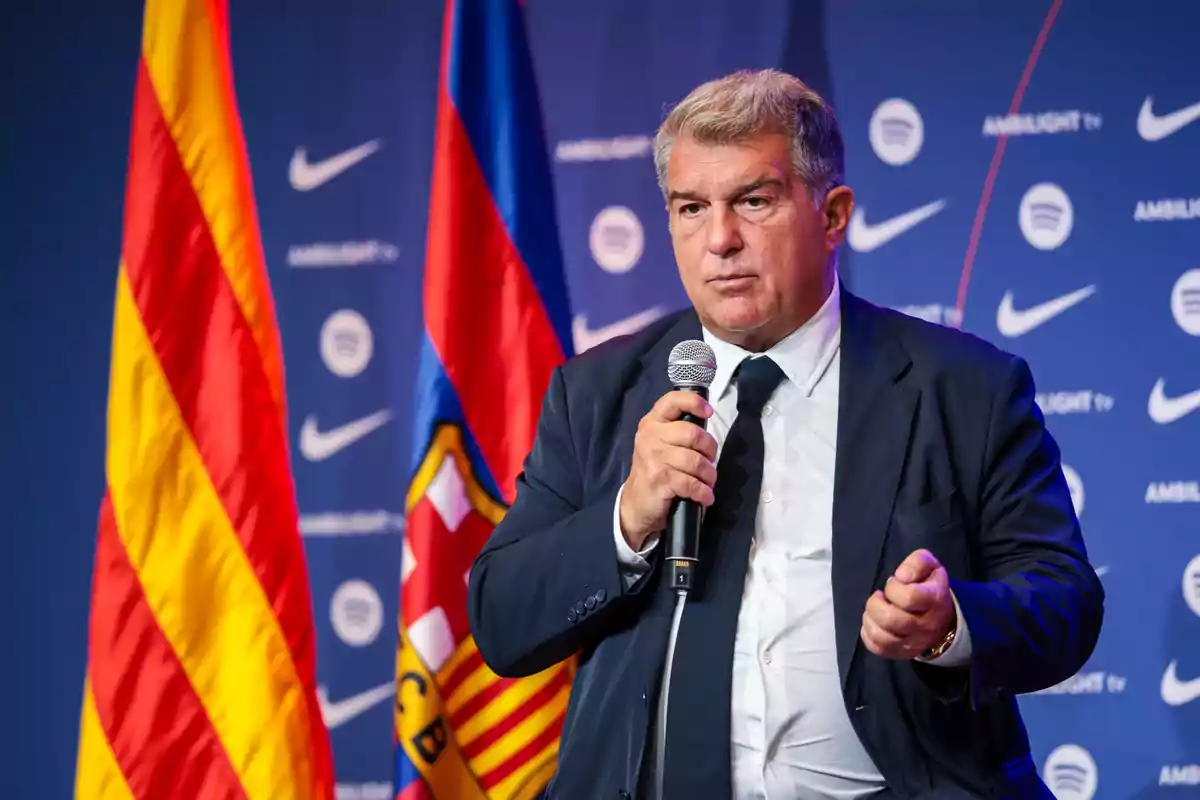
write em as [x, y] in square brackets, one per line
[661, 727]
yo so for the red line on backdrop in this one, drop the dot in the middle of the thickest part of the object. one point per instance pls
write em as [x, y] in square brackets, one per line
[998, 156]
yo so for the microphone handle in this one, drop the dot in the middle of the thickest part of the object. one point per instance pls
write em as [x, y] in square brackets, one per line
[683, 523]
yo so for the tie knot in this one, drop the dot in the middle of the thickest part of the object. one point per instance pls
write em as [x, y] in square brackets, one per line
[756, 380]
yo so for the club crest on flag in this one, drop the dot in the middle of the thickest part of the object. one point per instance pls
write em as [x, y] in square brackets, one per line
[467, 732]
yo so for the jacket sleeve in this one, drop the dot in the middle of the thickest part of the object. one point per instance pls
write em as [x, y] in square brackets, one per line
[1035, 615]
[548, 577]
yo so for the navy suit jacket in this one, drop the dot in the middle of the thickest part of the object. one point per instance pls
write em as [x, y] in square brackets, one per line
[939, 445]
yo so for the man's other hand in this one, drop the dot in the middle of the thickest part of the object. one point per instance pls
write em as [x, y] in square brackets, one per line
[671, 458]
[914, 611]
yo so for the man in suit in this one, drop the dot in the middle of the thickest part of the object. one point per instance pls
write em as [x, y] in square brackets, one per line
[889, 552]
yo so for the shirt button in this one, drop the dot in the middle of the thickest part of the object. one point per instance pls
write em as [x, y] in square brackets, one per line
[768, 410]
[766, 496]
[767, 657]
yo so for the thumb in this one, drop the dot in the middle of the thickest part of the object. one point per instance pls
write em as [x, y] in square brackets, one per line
[919, 565]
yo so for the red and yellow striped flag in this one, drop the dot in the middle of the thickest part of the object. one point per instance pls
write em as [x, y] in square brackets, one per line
[201, 676]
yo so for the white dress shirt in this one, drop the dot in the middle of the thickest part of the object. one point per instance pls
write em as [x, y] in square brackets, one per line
[791, 735]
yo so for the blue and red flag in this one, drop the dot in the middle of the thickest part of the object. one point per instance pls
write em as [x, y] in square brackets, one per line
[497, 322]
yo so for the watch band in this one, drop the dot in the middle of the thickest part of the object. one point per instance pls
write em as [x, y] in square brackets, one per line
[941, 647]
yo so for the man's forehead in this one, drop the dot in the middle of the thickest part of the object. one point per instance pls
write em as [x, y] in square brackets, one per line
[696, 167]
[767, 146]
[766, 149]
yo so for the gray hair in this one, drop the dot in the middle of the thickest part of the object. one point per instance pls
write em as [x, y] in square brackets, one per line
[749, 103]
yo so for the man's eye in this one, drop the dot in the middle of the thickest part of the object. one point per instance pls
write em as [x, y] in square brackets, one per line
[757, 201]
[689, 209]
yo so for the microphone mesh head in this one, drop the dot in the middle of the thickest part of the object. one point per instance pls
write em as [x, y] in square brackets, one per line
[692, 363]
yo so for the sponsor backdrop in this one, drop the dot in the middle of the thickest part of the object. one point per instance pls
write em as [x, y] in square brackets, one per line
[1026, 170]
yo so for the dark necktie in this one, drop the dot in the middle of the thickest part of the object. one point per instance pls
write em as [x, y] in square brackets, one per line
[698, 726]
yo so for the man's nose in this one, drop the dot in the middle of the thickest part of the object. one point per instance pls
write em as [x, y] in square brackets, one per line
[724, 237]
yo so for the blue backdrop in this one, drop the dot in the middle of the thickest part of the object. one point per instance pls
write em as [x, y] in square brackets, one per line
[1074, 241]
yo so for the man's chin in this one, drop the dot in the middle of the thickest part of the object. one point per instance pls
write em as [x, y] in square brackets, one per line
[740, 320]
[737, 325]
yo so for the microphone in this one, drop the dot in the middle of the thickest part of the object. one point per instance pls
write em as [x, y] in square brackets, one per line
[691, 367]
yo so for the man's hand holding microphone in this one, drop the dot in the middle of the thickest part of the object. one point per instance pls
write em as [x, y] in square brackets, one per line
[672, 458]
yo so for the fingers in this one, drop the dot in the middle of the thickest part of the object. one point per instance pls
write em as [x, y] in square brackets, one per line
[680, 484]
[915, 598]
[919, 565]
[693, 437]
[877, 640]
[691, 463]
[892, 620]
[674, 471]
[672, 458]
[686, 473]
[673, 405]
[891, 632]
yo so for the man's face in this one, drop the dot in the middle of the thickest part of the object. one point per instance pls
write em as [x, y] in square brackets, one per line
[753, 249]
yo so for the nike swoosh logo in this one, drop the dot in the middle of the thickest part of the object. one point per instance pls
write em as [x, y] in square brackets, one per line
[1165, 409]
[305, 177]
[342, 711]
[1011, 322]
[864, 237]
[586, 338]
[1176, 692]
[1152, 127]
[317, 445]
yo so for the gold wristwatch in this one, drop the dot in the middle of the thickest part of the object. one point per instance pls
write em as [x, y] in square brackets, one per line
[940, 647]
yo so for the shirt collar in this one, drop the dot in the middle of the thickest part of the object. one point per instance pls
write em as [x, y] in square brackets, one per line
[803, 355]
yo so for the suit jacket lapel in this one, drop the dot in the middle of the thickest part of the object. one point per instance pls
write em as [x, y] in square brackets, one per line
[875, 417]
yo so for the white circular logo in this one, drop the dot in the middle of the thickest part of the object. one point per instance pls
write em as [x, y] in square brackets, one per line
[346, 343]
[616, 239]
[1185, 301]
[1046, 216]
[1070, 772]
[896, 131]
[356, 613]
[1075, 484]
[1191, 585]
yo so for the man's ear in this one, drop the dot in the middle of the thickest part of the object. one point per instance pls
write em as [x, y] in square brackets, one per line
[837, 208]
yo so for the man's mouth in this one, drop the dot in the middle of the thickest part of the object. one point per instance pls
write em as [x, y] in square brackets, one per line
[733, 281]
